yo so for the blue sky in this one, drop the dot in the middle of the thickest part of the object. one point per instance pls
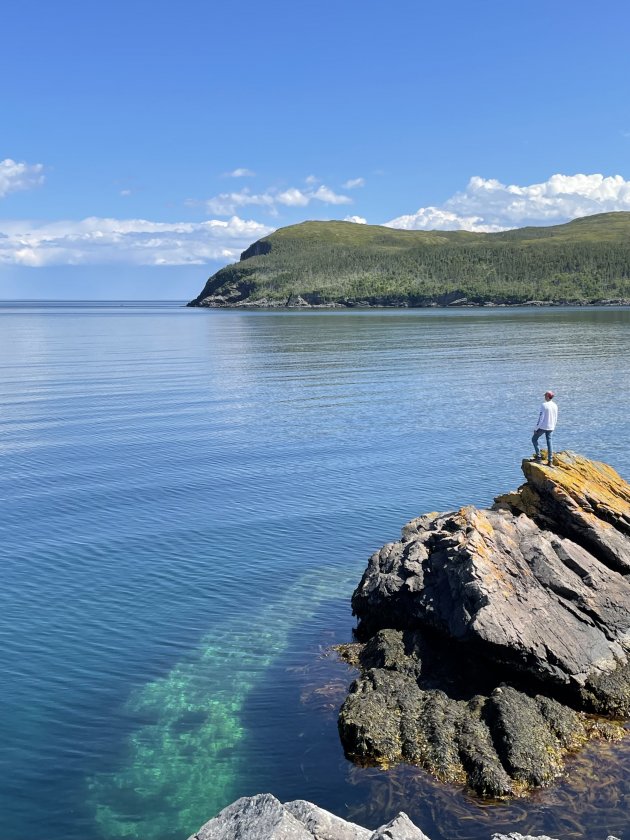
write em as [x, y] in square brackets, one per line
[145, 144]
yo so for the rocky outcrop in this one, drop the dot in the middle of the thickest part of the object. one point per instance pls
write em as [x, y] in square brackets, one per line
[492, 637]
[583, 500]
[257, 249]
[263, 817]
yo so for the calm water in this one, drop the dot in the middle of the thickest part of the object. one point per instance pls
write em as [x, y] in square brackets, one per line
[189, 498]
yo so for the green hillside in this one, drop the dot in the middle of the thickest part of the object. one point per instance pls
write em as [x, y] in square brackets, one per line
[345, 264]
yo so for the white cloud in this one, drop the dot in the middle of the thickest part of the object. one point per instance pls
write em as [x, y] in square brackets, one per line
[311, 179]
[358, 220]
[242, 172]
[435, 218]
[489, 205]
[329, 197]
[353, 183]
[95, 241]
[125, 193]
[226, 204]
[16, 176]
[293, 198]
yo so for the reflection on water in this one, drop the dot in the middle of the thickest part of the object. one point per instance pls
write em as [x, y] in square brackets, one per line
[188, 500]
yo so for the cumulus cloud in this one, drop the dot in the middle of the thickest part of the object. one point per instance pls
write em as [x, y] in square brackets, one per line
[293, 198]
[488, 205]
[329, 197]
[16, 176]
[226, 204]
[353, 183]
[357, 220]
[130, 241]
[436, 218]
[242, 172]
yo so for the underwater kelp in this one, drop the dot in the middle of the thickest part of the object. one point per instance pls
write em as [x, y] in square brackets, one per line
[183, 762]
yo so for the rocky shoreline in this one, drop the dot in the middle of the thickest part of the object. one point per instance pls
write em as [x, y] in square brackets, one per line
[494, 642]
[263, 817]
[238, 298]
[491, 644]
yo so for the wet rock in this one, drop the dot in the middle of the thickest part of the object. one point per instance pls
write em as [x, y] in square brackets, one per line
[524, 741]
[490, 633]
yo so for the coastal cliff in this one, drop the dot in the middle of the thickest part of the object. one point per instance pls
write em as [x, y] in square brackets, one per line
[342, 264]
[494, 642]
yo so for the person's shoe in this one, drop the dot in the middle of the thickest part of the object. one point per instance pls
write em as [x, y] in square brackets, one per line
[536, 459]
[549, 463]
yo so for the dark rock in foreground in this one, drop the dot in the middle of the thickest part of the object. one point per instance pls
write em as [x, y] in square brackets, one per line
[494, 636]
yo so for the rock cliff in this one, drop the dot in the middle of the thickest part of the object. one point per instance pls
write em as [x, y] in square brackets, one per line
[493, 642]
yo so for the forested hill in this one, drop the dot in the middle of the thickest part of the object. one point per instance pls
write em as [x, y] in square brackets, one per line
[346, 264]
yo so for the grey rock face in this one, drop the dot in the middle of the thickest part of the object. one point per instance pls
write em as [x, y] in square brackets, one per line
[400, 828]
[263, 817]
[516, 836]
[323, 824]
[490, 632]
[254, 818]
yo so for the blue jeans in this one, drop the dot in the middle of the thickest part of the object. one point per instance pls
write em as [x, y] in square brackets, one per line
[537, 434]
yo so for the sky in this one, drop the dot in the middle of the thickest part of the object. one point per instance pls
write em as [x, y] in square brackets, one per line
[143, 145]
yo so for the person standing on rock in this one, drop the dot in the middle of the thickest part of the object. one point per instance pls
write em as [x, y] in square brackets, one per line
[546, 424]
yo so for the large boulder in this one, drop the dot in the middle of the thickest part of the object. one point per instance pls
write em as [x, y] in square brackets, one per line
[263, 817]
[490, 634]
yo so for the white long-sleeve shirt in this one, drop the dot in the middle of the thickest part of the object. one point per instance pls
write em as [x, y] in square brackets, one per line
[548, 416]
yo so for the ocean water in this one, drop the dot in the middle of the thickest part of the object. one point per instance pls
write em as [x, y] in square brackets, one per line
[189, 498]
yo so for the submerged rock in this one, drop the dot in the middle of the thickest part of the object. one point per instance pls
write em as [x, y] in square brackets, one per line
[494, 636]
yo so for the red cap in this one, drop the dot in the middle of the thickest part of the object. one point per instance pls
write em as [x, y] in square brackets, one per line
[549, 394]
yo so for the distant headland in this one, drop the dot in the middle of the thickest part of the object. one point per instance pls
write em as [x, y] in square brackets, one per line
[347, 265]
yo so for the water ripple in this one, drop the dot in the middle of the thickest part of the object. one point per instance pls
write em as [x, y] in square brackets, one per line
[187, 499]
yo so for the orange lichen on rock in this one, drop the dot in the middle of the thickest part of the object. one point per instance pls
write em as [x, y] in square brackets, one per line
[583, 499]
[592, 485]
[491, 635]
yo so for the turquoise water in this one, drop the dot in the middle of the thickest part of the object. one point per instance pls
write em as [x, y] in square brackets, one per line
[189, 498]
